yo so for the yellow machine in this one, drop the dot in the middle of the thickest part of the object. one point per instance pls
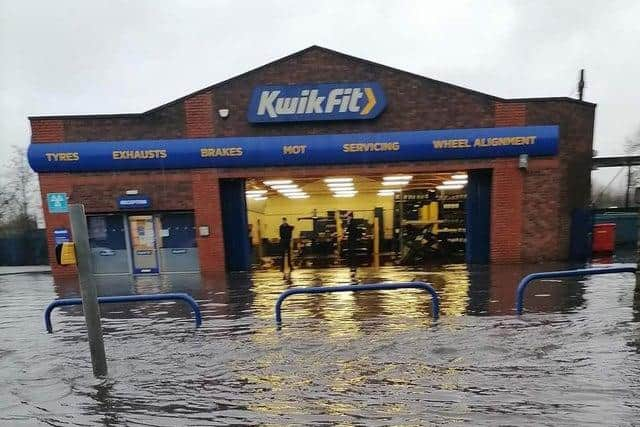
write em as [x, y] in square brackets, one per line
[66, 253]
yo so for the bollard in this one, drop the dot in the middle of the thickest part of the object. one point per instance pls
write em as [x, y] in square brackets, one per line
[88, 289]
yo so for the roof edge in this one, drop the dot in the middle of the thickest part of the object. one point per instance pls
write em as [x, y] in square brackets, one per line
[292, 55]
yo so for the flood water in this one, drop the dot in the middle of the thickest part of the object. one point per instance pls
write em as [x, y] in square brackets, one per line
[374, 358]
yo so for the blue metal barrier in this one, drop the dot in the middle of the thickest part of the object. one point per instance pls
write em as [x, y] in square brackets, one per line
[435, 301]
[559, 274]
[126, 298]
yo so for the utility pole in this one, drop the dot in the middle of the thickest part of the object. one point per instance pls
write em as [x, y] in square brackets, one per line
[88, 289]
[581, 85]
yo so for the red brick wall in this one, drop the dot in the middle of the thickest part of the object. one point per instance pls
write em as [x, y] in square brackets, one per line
[542, 215]
[199, 115]
[56, 183]
[510, 114]
[47, 130]
[206, 201]
[506, 213]
[572, 175]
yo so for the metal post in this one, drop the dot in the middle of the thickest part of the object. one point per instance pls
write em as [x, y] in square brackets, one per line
[638, 253]
[626, 197]
[376, 242]
[260, 250]
[88, 289]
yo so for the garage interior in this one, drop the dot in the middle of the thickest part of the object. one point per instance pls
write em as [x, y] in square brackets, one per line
[403, 219]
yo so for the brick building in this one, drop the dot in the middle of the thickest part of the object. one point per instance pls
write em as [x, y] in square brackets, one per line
[523, 211]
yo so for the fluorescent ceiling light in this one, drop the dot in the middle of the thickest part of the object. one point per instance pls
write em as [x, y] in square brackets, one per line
[258, 198]
[291, 190]
[277, 182]
[454, 182]
[449, 187]
[338, 180]
[388, 183]
[344, 194]
[284, 186]
[298, 196]
[398, 178]
[340, 184]
[250, 192]
[384, 193]
[460, 176]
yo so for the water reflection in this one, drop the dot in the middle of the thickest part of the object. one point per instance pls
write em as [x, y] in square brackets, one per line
[462, 290]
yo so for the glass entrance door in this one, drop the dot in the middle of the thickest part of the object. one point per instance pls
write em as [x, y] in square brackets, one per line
[143, 244]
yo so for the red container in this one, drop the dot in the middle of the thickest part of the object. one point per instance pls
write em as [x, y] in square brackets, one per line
[604, 238]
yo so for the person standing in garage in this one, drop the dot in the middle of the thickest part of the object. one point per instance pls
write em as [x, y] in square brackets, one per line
[285, 243]
[352, 243]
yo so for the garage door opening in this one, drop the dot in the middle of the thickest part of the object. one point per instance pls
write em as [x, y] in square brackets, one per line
[401, 219]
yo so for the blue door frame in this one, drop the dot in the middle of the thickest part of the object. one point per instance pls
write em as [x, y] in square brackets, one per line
[235, 225]
[478, 216]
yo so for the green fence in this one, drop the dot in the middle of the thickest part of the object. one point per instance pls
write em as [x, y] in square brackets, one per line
[25, 248]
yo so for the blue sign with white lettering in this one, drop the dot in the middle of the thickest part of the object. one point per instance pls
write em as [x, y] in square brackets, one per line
[57, 202]
[327, 101]
[61, 235]
[303, 150]
[134, 202]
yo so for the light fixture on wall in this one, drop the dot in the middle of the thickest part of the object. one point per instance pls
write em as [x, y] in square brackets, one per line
[523, 161]
[131, 192]
[223, 113]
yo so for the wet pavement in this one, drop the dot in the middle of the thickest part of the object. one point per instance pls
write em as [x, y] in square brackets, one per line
[374, 358]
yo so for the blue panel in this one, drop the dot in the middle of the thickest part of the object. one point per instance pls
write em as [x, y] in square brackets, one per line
[581, 226]
[234, 221]
[327, 101]
[295, 150]
[478, 212]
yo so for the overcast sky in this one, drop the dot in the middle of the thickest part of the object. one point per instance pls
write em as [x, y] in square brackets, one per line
[85, 57]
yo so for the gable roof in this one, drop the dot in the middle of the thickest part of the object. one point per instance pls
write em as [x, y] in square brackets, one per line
[304, 52]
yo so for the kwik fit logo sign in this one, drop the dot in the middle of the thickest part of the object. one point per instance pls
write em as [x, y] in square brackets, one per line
[327, 101]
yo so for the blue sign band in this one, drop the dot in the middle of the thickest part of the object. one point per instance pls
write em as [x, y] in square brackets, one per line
[326, 101]
[385, 147]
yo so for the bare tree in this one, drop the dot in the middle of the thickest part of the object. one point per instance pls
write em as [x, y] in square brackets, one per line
[19, 197]
[632, 146]
[632, 143]
[603, 196]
